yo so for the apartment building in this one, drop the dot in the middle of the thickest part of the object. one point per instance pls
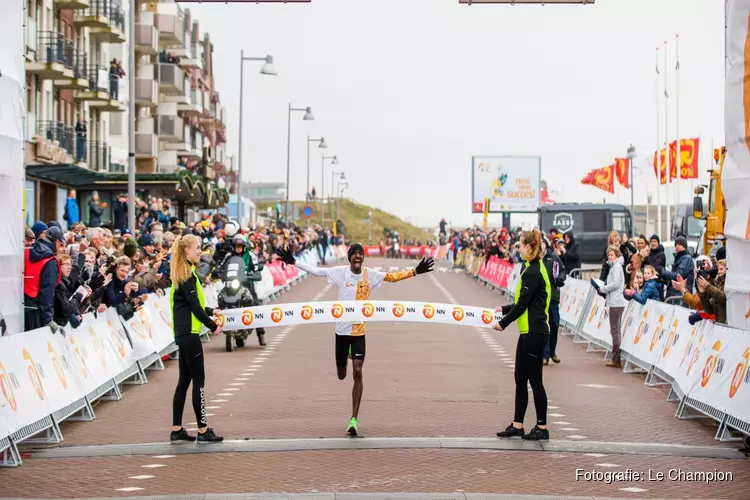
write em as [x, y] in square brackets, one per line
[77, 83]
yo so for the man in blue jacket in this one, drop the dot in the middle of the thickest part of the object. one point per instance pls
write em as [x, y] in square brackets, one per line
[683, 265]
[71, 214]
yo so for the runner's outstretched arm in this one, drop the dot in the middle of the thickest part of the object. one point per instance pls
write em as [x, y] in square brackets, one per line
[425, 266]
[288, 258]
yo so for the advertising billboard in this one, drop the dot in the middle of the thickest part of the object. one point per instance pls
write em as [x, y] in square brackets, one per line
[512, 183]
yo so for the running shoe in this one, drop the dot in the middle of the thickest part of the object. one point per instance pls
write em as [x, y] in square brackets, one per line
[537, 434]
[556, 359]
[510, 432]
[181, 436]
[209, 437]
[353, 427]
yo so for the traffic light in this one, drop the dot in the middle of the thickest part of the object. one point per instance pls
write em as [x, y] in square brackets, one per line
[719, 154]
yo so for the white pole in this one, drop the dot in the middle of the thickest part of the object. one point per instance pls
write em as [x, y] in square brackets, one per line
[658, 147]
[678, 158]
[666, 236]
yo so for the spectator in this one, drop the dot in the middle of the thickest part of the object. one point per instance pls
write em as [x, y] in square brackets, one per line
[556, 274]
[570, 253]
[121, 212]
[67, 299]
[29, 238]
[651, 287]
[41, 276]
[683, 266]
[39, 229]
[96, 210]
[71, 214]
[637, 259]
[656, 256]
[615, 301]
[120, 288]
[81, 135]
[712, 297]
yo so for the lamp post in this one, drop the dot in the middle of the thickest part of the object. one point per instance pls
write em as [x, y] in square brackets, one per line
[344, 187]
[322, 145]
[267, 69]
[334, 161]
[308, 117]
[334, 190]
[631, 155]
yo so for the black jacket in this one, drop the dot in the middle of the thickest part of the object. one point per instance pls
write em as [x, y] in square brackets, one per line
[95, 214]
[656, 258]
[120, 214]
[67, 307]
[571, 258]
[683, 265]
[556, 273]
[532, 299]
[185, 305]
[45, 301]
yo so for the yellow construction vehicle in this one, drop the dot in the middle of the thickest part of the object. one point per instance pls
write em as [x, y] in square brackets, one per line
[713, 235]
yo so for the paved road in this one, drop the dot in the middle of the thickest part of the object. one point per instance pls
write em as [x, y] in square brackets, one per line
[432, 382]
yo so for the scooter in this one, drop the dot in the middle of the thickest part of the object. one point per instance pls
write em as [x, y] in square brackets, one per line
[235, 295]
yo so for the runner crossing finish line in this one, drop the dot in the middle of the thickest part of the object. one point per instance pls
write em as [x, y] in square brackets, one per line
[354, 283]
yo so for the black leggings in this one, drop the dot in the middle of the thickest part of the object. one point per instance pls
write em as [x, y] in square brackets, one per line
[529, 357]
[191, 369]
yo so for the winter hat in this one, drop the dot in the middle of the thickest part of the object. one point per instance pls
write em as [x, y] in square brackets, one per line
[356, 247]
[38, 228]
[655, 237]
[681, 240]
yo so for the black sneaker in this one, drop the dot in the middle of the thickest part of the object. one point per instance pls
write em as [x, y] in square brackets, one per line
[510, 432]
[261, 339]
[181, 436]
[209, 437]
[537, 434]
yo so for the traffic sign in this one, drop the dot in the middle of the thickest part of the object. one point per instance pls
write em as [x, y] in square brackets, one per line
[307, 211]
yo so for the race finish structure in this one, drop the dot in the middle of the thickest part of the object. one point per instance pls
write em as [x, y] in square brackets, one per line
[355, 311]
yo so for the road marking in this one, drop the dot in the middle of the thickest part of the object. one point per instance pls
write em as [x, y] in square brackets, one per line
[575, 436]
[213, 407]
[553, 407]
[219, 400]
[259, 360]
[164, 456]
[597, 455]
[128, 489]
[143, 476]
[251, 368]
[153, 466]
[225, 394]
[555, 415]
[598, 386]
[632, 489]
[236, 383]
[242, 379]
[568, 429]
[232, 389]
[607, 465]
[265, 354]
[561, 423]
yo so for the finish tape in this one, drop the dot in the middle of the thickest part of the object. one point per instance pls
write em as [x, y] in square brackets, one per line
[302, 313]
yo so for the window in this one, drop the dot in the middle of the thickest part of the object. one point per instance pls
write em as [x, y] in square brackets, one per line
[621, 222]
[712, 197]
[115, 123]
[595, 222]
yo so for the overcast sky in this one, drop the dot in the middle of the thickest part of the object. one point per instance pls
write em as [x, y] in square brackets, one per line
[406, 91]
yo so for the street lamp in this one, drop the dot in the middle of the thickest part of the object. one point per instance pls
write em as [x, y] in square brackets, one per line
[322, 145]
[344, 187]
[307, 117]
[631, 155]
[334, 161]
[267, 69]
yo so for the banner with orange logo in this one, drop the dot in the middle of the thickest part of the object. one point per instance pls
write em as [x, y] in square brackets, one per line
[689, 155]
[680, 342]
[302, 313]
[660, 166]
[736, 172]
[602, 178]
[573, 299]
[645, 329]
[622, 172]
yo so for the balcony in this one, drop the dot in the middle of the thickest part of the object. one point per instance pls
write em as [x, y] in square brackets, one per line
[194, 57]
[80, 80]
[98, 156]
[171, 29]
[146, 40]
[72, 4]
[167, 162]
[171, 78]
[171, 129]
[57, 132]
[146, 92]
[55, 57]
[105, 20]
[105, 91]
[192, 107]
[146, 145]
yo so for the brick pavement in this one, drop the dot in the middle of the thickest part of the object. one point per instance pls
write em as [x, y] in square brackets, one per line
[419, 381]
[366, 471]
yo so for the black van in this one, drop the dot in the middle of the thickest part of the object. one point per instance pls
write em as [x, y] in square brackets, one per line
[590, 224]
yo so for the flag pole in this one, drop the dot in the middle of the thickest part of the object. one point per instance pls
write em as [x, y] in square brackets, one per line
[657, 158]
[666, 237]
[678, 158]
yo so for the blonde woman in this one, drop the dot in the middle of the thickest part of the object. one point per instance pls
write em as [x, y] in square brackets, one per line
[615, 300]
[189, 315]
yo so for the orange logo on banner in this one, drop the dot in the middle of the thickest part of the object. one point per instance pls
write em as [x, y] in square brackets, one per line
[487, 317]
[458, 313]
[98, 347]
[398, 310]
[593, 312]
[306, 312]
[747, 316]
[116, 339]
[747, 227]
[580, 303]
[337, 311]
[689, 345]
[739, 373]
[137, 327]
[57, 365]
[163, 316]
[657, 332]
[428, 311]
[708, 370]
[696, 353]
[641, 328]
[34, 377]
[6, 386]
[220, 320]
[277, 314]
[601, 318]
[368, 310]
[146, 322]
[248, 317]
[670, 338]
[81, 362]
[602, 178]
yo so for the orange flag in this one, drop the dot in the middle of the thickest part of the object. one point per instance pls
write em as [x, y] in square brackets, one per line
[602, 178]
[622, 170]
[689, 149]
[660, 166]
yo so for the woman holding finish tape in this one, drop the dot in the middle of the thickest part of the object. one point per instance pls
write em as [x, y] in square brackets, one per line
[189, 315]
[531, 310]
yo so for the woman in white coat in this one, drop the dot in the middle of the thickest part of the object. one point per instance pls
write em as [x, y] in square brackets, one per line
[615, 300]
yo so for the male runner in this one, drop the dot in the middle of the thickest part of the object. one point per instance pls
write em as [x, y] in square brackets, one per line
[354, 282]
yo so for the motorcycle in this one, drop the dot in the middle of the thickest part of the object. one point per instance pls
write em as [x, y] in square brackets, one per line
[235, 294]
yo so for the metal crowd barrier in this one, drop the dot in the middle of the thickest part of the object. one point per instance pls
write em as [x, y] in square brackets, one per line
[724, 355]
[46, 428]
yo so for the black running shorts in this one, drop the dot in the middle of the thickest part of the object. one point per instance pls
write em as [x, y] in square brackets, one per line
[343, 342]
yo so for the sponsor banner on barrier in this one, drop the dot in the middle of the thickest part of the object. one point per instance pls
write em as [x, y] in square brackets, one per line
[514, 277]
[675, 341]
[572, 300]
[596, 325]
[688, 368]
[645, 332]
[496, 271]
[140, 337]
[355, 311]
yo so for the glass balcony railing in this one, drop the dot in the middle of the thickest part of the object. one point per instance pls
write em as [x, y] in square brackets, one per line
[102, 14]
